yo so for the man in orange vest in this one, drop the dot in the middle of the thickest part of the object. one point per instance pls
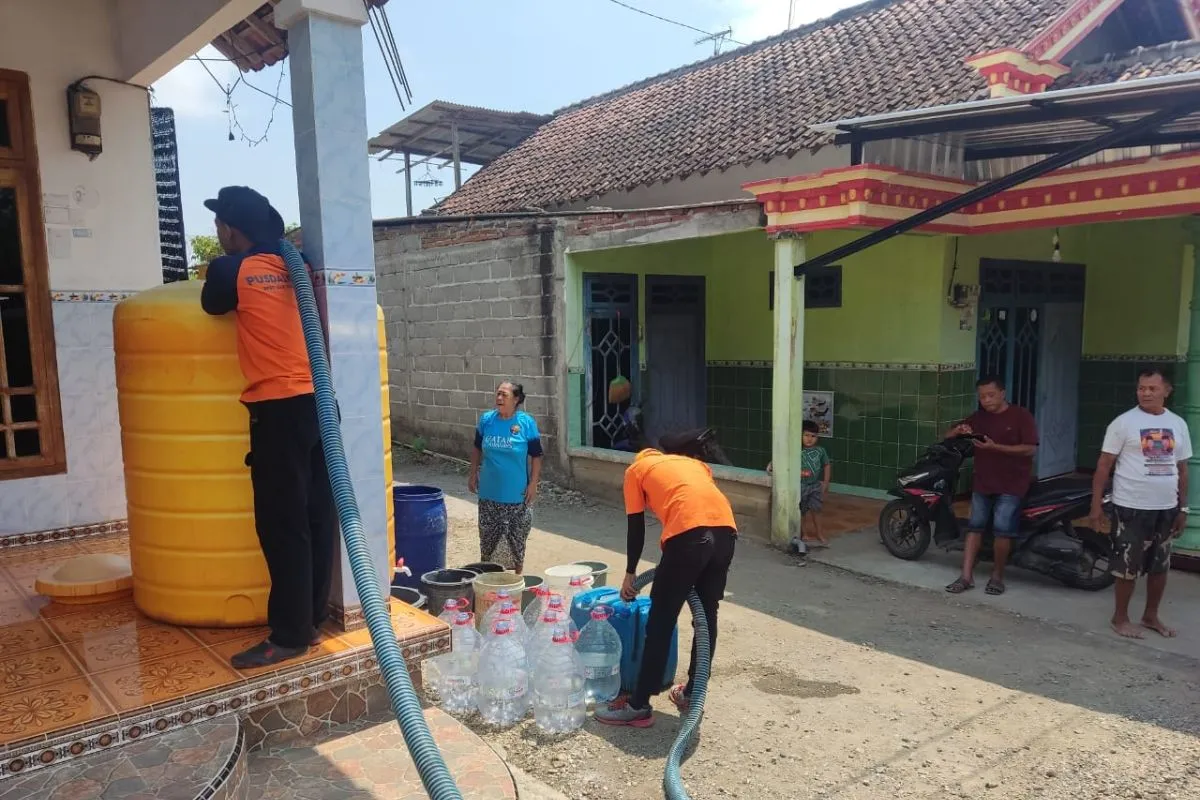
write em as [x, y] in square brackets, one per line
[698, 538]
[293, 503]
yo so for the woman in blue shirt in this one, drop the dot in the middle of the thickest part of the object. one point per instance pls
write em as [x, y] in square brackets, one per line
[505, 466]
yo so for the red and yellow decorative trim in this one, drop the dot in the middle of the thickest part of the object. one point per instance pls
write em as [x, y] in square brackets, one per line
[872, 196]
[1083, 17]
[1011, 72]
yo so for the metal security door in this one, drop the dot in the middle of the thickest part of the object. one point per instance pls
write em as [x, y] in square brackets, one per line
[1008, 349]
[1058, 389]
[610, 326]
[1031, 336]
[674, 397]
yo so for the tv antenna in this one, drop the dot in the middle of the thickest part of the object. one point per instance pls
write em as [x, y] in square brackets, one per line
[718, 39]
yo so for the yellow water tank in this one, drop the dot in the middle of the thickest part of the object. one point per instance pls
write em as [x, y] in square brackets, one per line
[387, 436]
[184, 434]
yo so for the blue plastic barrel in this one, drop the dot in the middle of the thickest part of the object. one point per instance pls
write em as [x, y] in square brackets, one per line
[420, 531]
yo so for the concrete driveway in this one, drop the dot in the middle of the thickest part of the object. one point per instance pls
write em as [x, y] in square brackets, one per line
[1029, 594]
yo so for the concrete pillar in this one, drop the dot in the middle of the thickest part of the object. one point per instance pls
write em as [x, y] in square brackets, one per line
[1188, 545]
[329, 115]
[787, 386]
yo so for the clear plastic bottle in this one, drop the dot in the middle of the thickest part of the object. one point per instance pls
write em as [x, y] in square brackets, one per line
[509, 612]
[503, 698]
[489, 616]
[577, 585]
[460, 684]
[434, 671]
[559, 704]
[533, 612]
[450, 609]
[599, 648]
[559, 603]
[543, 633]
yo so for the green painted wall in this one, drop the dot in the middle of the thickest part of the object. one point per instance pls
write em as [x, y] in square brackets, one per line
[735, 268]
[1135, 279]
[891, 296]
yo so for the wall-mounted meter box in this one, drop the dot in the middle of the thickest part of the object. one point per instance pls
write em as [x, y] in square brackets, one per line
[83, 114]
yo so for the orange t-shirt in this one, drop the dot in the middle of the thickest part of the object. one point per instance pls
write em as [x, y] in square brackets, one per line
[679, 490]
[271, 347]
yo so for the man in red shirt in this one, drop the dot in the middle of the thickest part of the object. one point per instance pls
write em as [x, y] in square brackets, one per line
[1003, 472]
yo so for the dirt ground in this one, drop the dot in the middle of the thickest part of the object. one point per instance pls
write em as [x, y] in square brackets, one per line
[831, 685]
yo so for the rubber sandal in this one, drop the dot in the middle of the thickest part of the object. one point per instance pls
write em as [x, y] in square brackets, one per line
[959, 586]
[994, 587]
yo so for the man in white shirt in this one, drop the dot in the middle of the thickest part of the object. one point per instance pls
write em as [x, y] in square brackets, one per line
[1150, 447]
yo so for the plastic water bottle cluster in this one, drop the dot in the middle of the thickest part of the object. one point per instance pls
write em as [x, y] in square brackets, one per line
[520, 661]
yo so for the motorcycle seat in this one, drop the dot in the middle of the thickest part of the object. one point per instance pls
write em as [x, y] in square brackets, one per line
[1057, 490]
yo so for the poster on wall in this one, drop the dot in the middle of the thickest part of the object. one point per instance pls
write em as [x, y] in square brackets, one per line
[818, 407]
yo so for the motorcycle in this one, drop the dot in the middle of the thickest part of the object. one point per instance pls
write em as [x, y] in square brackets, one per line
[698, 443]
[1048, 542]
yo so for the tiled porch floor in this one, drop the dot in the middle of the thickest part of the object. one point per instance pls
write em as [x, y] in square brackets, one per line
[63, 667]
[845, 513]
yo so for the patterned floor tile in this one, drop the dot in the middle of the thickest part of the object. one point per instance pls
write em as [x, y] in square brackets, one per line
[328, 646]
[64, 666]
[164, 679]
[49, 708]
[25, 637]
[214, 636]
[34, 668]
[7, 590]
[73, 623]
[130, 645]
[16, 611]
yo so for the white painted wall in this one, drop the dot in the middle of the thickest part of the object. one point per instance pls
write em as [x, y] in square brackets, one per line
[716, 186]
[57, 42]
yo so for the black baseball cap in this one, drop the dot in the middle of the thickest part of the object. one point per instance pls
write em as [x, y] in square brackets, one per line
[248, 211]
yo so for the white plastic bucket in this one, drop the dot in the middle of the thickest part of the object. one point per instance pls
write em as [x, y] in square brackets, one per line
[559, 578]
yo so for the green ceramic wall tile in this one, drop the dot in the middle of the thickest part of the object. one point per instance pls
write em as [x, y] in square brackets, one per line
[1107, 390]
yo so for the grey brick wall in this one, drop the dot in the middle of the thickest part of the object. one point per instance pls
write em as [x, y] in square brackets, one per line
[467, 306]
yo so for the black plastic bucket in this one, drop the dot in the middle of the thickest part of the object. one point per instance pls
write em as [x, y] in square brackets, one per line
[409, 595]
[480, 567]
[440, 585]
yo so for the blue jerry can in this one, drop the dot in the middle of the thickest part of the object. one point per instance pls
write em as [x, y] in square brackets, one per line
[630, 620]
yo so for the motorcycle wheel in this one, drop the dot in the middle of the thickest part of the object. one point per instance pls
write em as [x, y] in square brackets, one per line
[902, 532]
[1094, 573]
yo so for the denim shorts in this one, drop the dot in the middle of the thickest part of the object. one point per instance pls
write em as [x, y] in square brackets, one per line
[1002, 510]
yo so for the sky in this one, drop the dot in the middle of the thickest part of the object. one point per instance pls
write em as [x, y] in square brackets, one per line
[518, 55]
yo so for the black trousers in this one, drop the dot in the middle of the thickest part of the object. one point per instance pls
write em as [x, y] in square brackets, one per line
[697, 559]
[293, 514]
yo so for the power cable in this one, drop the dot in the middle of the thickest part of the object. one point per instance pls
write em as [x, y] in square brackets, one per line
[672, 21]
[382, 28]
[241, 79]
[231, 107]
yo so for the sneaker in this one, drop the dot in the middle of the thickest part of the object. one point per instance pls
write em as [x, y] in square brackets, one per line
[678, 695]
[619, 712]
[265, 654]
